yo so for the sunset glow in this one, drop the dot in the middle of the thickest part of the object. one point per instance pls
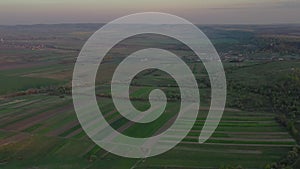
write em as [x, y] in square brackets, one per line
[200, 12]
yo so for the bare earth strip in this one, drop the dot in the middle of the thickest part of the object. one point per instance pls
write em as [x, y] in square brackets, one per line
[10, 65]
[80, 129]
[230, 144]
[239, 133]
[250, 145]
[219, 151]
[254, 139]
[233, 144]
[237, 139]
[87, 150]
[22, 125]
[62, 129]
[26, 103]
[13, 139]
[226, 109]
[7, 118]
[166, 125]
[74, 133]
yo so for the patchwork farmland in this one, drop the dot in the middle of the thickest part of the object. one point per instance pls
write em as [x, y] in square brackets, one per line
[39, 127]
[44, 130]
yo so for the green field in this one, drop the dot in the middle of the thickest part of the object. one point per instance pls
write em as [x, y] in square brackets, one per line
[250, 139]
[259, 128]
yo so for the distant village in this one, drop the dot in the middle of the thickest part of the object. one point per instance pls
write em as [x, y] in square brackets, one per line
[233, 56]
[21, 45]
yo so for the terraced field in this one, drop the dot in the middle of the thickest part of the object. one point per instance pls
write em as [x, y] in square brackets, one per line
[42, 131]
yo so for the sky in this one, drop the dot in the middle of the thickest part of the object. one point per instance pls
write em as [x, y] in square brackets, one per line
[14, 12]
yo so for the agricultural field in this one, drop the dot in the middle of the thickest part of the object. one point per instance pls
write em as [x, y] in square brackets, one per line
[44, 132]
[259, 128]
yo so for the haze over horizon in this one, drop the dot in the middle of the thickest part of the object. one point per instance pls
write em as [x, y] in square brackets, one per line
[14, 12]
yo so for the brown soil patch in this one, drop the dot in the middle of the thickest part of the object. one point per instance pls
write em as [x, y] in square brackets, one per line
[63, 129]
[13, 139]
[22, 125]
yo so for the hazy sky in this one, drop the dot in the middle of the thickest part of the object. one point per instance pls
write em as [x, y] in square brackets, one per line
[197, 11]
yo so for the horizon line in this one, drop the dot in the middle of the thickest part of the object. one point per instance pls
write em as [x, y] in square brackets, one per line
[198, 24]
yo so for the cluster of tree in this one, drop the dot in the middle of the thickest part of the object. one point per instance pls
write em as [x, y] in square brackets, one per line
[23, 93]
[60, 91]
[285, 100]
[247, 97]
[281, 97]
[278, 45]
[287, 162]
[232, 167]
